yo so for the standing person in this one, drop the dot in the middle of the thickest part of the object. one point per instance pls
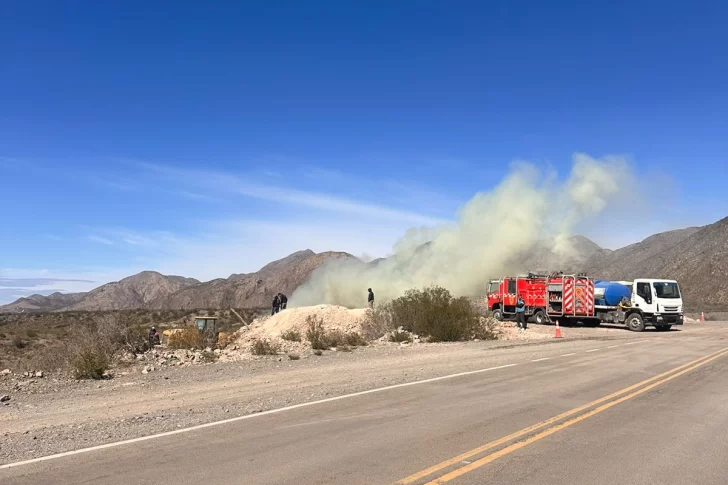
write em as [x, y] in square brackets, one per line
[370, 298]
[153, 337]
[275, 308]
[521, 313]
[284, 301]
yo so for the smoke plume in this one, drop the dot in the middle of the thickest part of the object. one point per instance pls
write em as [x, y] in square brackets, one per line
[491, 234]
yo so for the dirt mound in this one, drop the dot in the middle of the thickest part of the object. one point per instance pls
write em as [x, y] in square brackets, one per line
[334, 317]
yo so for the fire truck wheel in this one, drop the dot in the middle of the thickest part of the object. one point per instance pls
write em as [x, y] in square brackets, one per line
[498, 314]
[635, 322]
[539, 317]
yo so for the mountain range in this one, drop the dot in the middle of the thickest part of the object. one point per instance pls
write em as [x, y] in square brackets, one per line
[697, 257]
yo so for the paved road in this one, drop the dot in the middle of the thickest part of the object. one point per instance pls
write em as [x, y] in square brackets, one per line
[650, 411]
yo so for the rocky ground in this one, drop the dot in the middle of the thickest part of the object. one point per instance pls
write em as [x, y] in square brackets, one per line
[165, 390]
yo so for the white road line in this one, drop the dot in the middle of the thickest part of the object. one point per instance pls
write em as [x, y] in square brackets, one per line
[593, 350]
[569, 355]
[249, 416]
[612, 346]
[540, 360]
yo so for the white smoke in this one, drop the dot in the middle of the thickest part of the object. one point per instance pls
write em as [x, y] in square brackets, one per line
[492, 231]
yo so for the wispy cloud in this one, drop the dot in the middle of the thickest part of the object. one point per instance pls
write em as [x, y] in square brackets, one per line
[232, 183]
[101, 240]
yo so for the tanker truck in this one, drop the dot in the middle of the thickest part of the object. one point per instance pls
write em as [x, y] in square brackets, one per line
[653, 302]
[580, 299]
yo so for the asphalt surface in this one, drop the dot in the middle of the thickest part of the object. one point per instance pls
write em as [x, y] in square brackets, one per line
[667, 426]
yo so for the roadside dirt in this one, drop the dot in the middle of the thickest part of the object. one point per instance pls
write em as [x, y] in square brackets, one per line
[51, 414]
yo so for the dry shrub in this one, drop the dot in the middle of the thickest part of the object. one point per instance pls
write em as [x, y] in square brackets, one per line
[294, 356]
[316, 334]
[355, 339]
[377, 323]
[225, 339]
[399, 336]
[19, 343]
[318, 352]
[186, 338]
[486, 329]
[335, 338]
[264, 347]
[31, 334]
[90, 361]
[291, 335]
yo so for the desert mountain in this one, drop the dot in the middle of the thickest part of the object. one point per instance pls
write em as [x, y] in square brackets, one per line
[250, 290]
[696, 257]
[131, 292]
[41, 303]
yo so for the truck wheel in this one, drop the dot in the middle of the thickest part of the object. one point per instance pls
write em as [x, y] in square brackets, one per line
[663, 328]
[539, 317]
[498, 314]
[635, 323]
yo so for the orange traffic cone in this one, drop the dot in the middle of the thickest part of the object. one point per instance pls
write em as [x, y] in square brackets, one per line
[702, 316]
[558, 331]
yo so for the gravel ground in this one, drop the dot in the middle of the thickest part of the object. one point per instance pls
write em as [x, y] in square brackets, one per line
[52, 414]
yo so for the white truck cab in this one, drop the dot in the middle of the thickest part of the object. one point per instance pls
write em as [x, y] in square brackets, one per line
[659, 301]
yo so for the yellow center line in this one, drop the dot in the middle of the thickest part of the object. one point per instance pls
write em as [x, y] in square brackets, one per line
[547, 432]
[464, 456]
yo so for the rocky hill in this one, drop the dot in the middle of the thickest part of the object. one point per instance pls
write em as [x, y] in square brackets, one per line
[696, 257]
[133, 292]
[250, 290]
[41, 303]
[153, 290]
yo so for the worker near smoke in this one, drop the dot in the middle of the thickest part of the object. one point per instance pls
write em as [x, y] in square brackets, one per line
[521, 313]
[370, 298]
[284, 300]
[276, 306]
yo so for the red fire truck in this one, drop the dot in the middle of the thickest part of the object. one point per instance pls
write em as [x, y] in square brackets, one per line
[547, 297]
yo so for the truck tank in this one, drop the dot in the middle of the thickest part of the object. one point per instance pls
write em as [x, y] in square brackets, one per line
[609, 293]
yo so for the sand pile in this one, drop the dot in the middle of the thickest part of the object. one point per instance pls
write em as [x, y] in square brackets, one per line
[334, 317]
[509, 331]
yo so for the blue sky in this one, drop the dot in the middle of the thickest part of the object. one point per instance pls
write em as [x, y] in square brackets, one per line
[207, 140]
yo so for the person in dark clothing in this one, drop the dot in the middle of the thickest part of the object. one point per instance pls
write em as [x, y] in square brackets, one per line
[284, 300]
[521, 313]
[276, 305]
[370, 298]
[153, 337]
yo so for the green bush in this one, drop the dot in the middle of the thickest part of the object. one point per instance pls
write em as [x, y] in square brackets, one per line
[264, 347]
[433, 313]
[291, 335]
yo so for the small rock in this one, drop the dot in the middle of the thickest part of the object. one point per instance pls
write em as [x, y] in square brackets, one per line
[5, 372]
[217, 351]
[4, 398]
[140, 357]
[39, 374]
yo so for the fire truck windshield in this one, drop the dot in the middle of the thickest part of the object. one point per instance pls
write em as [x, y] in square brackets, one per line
[666, 290]
[494, 287]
